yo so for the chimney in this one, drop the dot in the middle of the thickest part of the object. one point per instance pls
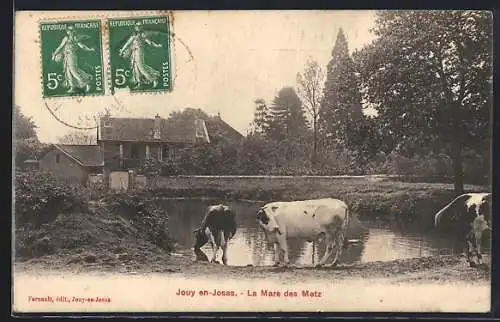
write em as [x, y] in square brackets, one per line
[105, 126]
[157, 127]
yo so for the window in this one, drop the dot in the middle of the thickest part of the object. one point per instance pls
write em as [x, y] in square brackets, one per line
[58, 158]
[168, 153]
[156, 134]
[134, 151]
[107, 123]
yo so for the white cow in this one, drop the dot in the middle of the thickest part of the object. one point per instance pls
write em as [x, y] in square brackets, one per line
[306, 219]
[470, 214]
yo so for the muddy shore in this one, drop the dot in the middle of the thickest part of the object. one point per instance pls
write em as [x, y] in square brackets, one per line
[437, 269]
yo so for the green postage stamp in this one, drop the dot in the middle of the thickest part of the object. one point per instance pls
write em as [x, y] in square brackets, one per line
[72, 61]
[139, 54]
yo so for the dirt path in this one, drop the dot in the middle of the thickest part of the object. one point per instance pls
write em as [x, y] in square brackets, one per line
[437, 284]
[439, 269]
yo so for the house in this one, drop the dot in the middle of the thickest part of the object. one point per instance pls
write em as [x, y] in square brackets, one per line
[30, 164]
[127, 142]
[124, 143]
[72, 163]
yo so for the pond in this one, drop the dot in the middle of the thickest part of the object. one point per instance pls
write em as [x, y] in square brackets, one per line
[375, 241]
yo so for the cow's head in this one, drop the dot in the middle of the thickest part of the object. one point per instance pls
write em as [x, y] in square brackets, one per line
[267, 222]
[485, 209]
[482, 220]
[200, 237]
[228, 211]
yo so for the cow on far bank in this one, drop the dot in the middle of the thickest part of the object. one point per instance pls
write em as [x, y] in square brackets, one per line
[217, 228]
[469, 216]
[311, 220]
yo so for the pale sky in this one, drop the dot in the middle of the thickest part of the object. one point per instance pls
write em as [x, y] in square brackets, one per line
[239, 56]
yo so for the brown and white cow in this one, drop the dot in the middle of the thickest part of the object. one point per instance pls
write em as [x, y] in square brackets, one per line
[217, 228]
[311, 220]
[469, 216]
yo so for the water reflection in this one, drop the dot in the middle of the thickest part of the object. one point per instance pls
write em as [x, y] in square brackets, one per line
[248, 246]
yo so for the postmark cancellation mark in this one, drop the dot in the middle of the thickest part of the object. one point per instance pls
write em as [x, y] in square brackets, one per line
[72, 60]
[140, 54]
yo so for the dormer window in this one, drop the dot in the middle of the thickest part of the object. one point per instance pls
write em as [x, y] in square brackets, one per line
[107, 123]
[198, 128]
[156, 134]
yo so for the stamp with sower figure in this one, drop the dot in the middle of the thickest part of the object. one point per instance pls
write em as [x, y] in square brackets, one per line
[139, 54]
[72, 61]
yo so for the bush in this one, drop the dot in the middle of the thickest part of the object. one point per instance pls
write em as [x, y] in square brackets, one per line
[39, 198]
[28, 148]
[431, 165]
[144, 214]
[96, 190]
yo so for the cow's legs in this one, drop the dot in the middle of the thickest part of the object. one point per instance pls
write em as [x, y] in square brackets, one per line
[286, 260]
[478, 248]
[328, 252]
[284, 248]
[277, 252]
[215, 248]
[224, 249]
[224, 254]
[468, 252]
[470, 248]
[339, 244]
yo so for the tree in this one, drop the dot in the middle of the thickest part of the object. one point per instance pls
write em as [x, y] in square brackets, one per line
[429, 74]
[288, 124]
[27, 145]
[309, 88]
[253, 155]
[260, 124]
[24, 127]
[78, 138]
[341, 105]
[189, 113]
[287, 117]
[367, 140]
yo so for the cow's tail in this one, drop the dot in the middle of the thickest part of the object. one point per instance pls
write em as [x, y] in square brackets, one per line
[458, 200]
[346, 224]
[346, 217]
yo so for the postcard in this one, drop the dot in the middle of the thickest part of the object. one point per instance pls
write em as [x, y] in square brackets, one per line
[262, 161]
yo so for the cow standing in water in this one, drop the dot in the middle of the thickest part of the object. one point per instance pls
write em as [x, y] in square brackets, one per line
[471, 214]
[217, 228]
[306, 219]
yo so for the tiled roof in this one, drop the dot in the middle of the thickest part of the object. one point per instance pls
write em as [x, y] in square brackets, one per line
[86, 155]
[142, 129]
[217, 126]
